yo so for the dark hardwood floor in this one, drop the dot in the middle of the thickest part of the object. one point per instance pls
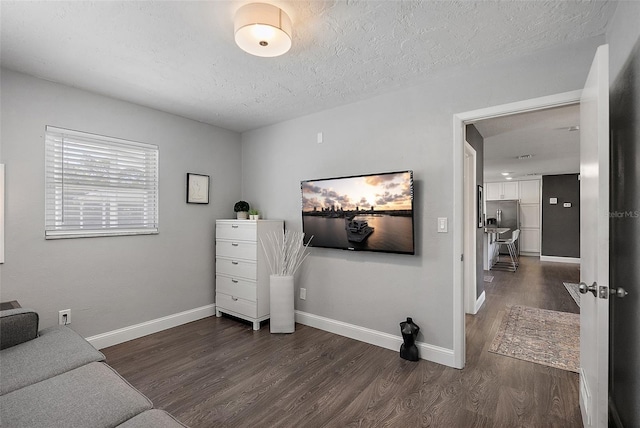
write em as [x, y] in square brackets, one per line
[217, 372]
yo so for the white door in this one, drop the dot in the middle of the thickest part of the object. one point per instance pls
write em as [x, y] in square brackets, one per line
[594, 241]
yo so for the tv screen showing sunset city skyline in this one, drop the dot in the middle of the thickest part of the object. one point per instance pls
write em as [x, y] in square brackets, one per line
[368, 212]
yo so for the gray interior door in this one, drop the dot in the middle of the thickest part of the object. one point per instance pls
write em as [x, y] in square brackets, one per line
[624, 334]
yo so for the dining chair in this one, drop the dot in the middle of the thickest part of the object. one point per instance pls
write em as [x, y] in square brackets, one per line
[513, 262]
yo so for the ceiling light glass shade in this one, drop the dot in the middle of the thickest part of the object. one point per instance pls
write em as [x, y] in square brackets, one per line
[262, 30]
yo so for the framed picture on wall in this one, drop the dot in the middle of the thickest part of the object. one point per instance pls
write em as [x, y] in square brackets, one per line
[197, 188]
[480, 211]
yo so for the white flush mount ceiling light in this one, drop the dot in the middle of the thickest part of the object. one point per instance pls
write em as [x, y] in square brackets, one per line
[262, 29]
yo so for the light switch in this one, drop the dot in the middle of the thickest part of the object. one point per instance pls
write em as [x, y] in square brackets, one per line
[320, 138]
[553, 201]
[442, 225]
[567, 205]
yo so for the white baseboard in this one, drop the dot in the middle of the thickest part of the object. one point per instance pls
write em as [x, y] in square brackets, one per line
[125, 334]
[557, 259]
[480, 302]
[529, 253]
[385, 340]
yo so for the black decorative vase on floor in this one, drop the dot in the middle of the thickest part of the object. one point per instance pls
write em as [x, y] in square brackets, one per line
[409, 350]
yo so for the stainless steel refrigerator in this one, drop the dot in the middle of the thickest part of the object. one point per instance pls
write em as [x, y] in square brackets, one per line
[506, 214]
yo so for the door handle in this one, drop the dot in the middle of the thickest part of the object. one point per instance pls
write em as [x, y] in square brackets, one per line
[584, 289]
[602, 292]
[618, 292]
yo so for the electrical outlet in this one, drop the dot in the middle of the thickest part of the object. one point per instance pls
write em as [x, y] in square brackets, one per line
[64, 317]
[303, 294]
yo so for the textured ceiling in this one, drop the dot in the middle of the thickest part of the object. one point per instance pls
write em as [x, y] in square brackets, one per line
[543, 134]
[180, 56]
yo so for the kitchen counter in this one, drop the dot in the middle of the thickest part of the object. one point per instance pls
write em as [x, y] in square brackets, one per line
[496, 230]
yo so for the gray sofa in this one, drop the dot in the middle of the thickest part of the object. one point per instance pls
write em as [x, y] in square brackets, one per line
[55, 378]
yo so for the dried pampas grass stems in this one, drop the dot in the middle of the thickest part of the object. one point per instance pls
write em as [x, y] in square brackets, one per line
[285, 251]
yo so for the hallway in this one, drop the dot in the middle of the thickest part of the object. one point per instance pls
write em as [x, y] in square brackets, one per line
[524, 389]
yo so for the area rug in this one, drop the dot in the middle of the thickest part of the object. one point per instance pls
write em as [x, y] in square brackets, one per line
[573, 291]
[540, 336]
[488, 278]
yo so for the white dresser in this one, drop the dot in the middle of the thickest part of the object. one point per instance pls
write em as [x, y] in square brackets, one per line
[242, 272]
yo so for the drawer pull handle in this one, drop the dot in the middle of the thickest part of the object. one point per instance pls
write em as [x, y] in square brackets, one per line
[234, 263]
[235, 299]
[235, 281]
[235, 244]
[234, 226]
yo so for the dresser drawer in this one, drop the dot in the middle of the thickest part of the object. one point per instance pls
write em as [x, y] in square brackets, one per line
[236, 287]
[243, 230]
[236, 249]
[236, 304]
[236, 268]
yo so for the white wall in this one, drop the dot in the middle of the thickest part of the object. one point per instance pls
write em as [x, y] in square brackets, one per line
[110, 283]
[406, 129]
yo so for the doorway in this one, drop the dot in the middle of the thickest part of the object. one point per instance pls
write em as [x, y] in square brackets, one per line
[461, 226]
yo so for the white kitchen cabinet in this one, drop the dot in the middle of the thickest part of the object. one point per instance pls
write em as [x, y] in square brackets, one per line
[510, 190]
[530, 216]
[530, 220]
[242, 273]
[492, 191]
[499, 191]
[529, 241]
[530, 229]
[529, 191]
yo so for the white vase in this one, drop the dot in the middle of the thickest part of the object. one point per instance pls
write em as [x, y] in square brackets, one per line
[254, 216]
[281, 301]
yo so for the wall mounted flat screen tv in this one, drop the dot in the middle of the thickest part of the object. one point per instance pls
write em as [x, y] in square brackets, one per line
[361, 213]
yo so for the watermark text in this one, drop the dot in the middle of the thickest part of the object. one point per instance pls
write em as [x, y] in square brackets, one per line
[624, 214]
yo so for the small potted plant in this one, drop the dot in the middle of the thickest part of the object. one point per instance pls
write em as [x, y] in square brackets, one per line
[254, 214]
[241, 209]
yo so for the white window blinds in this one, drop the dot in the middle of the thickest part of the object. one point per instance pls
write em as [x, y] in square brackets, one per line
[99, 186]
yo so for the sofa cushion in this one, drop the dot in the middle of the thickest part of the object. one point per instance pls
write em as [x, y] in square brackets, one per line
[57, 350]
[17, 326]
[153, 418]
[92, 396]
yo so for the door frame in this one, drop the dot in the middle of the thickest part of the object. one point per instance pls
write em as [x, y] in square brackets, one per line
[460, 120]
[470, 209]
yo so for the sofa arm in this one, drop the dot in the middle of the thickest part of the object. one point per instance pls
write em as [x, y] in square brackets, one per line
[17, 326]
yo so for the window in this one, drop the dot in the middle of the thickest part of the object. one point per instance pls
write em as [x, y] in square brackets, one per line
[99, 186]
